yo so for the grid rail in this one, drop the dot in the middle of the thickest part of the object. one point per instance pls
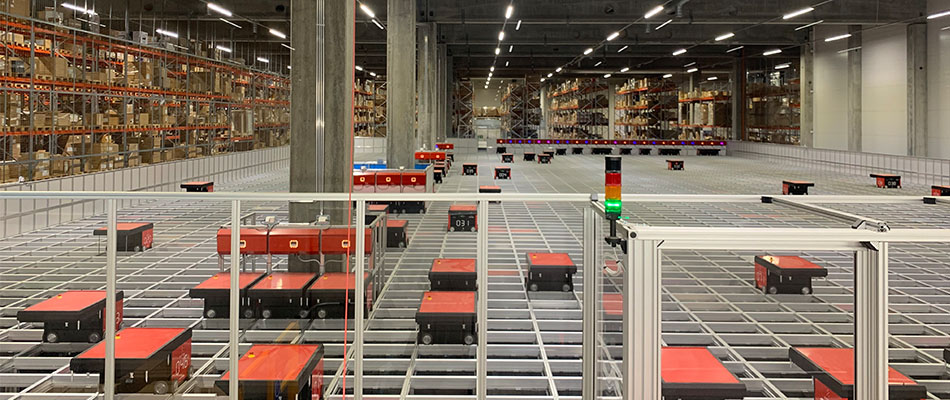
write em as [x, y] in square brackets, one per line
[534, 340]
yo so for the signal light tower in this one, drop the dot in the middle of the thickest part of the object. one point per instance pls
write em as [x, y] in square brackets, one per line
[612, 200]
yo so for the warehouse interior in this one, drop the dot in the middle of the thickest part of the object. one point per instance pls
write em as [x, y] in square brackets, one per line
[578, 199]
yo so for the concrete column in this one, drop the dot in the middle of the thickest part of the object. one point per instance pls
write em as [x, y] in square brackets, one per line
[427, 77]
[449, 97]
[807, 75]
[611, 110]
[545, 103]
[917, 90]
[854, 89]
[322, 104]
[401, 82]
[738, 77]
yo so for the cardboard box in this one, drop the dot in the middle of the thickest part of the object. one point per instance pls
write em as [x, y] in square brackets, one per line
[139, 37]
[53, 16]
[55, 67]
[16, 7]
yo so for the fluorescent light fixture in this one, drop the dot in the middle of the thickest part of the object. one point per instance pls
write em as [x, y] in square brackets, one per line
[849, 50]
[735, 49]
[783, 66]
[613, 36]
[501, 36]
[691, 70]
[598, 63]
[506, 63]
[794, 14]
[497, 50]
[656, 10]
[806, 26]
[518, 26]
[945, 28]
[669, 21]
[166, 33]
[679, 52]
[839, 37]
[287, 46]
[772, 52]
[277, 33]
[624, 69]
[667, 76]
[508, 11]
[220, 10]
[78, 9]
[724, 36]
[939, 15]
[288, 67]
[690, 64]
[511, 48]
[712, 78]
[222, 48]
[378, 25]
[558, 69]
[549, 74]
[492, 69]
[358, 68]
[373, 74]
[230, 23]
[490, 74]
[622, 49]
[542, 79]
[606, 75]
[263, 60]
[367, 11]
[588, 51]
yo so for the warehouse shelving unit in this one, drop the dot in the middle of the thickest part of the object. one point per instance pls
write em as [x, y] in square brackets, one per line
[76, 101]
[379, 93]
[364, 108]
[579, 109]
[706, 114]
[773, 99]
[645, 109]
[513, 112]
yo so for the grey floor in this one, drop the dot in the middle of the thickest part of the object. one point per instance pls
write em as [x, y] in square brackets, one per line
[534, 341]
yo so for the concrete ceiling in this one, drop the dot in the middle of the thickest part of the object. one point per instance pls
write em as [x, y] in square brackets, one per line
[553, 32]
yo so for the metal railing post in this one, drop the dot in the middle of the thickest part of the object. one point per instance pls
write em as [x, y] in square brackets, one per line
[589, 344]
[870, 322]
[234, 352]
[360, 292]
[481, 309]
[111, 242]
[641, 321]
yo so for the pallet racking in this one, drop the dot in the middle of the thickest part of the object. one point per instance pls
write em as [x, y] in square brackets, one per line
[773, 99]
[706, 114]
[645, 109]
[579, 110]
[77, 101]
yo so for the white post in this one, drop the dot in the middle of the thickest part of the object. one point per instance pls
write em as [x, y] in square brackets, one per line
[870, 322]
[359, 291]
[111, 240]
[234, 352]
[589, 344]
[481, 309]
[641, 321]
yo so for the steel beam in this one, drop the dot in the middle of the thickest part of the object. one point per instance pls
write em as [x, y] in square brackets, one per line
[641, 321]
[589, 304]
[870, 321]
[481, 309]
[234, 318]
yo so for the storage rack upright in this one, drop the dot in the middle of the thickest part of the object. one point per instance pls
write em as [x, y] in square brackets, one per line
[379, 93]
[464, 116]
[77, 101]
[364, 108]
[513, 112]
[645, 109]
[579, 109]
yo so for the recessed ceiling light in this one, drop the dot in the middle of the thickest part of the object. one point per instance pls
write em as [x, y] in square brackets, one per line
[367, 10]
[839, 37]
[691, 70]
[667, 76]
[613, 36]
[669, 21]
[518, 27]
[735, 49]
[679, 52]
[624, 69]
[606, 75]
[622, 49]
[772, 52]
[558, 69]
[712, 78]
[588, 51]
[501, 36]
[510, 10]
[497, 50]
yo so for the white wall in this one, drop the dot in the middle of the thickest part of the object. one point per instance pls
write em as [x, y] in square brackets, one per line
[831, 90]
[884, 90]
[938, 82]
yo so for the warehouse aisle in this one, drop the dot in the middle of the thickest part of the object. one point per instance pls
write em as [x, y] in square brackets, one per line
[534, 340]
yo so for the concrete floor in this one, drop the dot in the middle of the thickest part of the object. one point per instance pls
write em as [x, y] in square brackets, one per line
[534, 341]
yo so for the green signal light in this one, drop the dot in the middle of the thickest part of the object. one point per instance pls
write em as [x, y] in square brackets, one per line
[612, 206]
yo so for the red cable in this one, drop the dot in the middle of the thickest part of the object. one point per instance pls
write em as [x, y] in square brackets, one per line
[349, 213]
